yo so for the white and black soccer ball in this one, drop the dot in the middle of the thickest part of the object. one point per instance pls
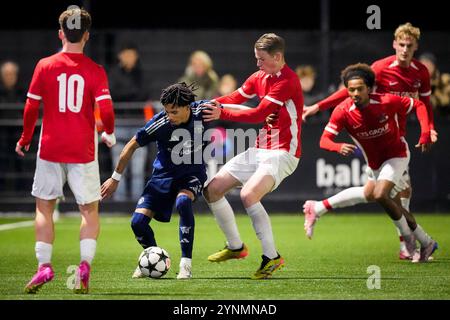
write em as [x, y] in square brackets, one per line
[154, 262]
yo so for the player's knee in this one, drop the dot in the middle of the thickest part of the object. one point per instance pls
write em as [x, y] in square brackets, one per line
[205, 194]
[91, 219]
[369, 197]
[211, 193]
[183, 204]
[248, 198]
[368, 194]
[380, 195]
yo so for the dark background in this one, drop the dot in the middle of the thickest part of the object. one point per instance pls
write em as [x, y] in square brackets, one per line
[345, 15]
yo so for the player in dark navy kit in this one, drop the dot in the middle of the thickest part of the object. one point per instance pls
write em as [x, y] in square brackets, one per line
[178, 170]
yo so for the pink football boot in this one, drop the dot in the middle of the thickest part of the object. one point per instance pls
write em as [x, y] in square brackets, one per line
[82, 278]
[310, 217]
[43, 275]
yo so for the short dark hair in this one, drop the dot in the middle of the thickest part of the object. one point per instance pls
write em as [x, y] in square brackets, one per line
[271, 43]
[74, 22]
[179, 94]
[360, 70]
[128, 46]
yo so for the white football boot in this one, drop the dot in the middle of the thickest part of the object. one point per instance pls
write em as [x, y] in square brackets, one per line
[138, 274]
[185, 269]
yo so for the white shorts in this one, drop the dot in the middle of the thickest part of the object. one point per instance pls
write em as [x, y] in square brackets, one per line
[83, 178]
[394, 170]
[407, 178]
[277, 163]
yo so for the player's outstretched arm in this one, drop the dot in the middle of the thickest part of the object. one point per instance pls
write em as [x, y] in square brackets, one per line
[110, 185]
[230, 106]
[309, 111]
[214, 111]
[327, 103]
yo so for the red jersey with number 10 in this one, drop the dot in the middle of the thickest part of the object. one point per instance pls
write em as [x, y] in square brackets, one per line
[68, 84]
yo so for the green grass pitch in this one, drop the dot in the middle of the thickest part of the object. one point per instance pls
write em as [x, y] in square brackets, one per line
[331, 266]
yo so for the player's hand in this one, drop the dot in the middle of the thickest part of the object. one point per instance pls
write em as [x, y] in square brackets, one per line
[19, 149]
[433, 136]
[425, 142]
[108, 188]
[424, 147]
[99, 125]
[109, 139]
[271, 119]
[309, 111]
[347, 149]
[212, 111]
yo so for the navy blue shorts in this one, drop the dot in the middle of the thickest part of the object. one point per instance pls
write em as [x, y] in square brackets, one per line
[160, 194]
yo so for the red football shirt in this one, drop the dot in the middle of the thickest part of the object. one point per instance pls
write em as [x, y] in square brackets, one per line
[413, 82]
[69, 85]
[281, 94]
[374, 128]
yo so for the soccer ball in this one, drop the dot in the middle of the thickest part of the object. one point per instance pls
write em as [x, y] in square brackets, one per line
[154, 262]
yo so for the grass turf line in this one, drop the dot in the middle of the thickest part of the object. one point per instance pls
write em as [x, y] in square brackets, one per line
[331, 266]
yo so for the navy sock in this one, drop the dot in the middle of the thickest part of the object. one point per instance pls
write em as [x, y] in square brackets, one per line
[187, 224]
[143, 233]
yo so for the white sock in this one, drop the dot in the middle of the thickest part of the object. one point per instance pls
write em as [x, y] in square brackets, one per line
[263, 228]
[422, 236]
[225, 218]
[402, 241]
[346, 198]
[87, 250]
[405, 203]
[43, 252]
[185, 262]
[402, 226]
[320, 208]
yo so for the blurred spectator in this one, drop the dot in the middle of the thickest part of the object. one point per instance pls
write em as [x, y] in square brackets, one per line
[307, 75]
[200, 71]
[10, 89]
[227, 85]
[126, 85]
[223, 146]
[10, 92]
[125, 78]
[440, 84]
